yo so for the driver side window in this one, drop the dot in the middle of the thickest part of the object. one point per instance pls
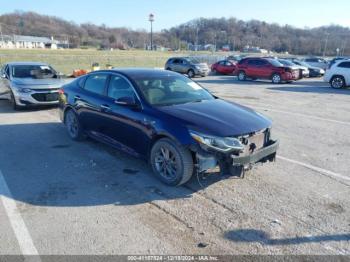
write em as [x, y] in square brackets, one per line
[119, 87]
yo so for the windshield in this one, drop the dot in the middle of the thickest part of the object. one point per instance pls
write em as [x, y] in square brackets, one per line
[274, 62]
[171, 90]
[301, 63]
[286, 62]
[33, 71]
[192, 60]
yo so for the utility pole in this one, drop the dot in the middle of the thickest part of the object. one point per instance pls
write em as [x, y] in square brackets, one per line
[325, 45]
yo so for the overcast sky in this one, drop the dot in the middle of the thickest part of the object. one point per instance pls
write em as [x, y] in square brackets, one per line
[134, 13]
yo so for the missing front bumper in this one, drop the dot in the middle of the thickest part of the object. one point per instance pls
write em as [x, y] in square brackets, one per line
[266, 154]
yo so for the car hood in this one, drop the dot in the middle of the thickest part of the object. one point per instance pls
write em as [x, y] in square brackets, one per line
[39, 83]
[218, 117]
[202, 65]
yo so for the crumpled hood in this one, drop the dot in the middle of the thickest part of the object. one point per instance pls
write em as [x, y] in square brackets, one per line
[39, 83]
[218, 117]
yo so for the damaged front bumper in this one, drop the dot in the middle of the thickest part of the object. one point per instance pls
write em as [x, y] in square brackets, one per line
[210, 160]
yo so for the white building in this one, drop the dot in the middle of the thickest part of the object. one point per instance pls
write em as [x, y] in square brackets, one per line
[27, 42]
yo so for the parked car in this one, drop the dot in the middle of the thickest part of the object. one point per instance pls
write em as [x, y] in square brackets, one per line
[30, 83]
[266, 68]
[187, 65]
[234, 58]
[225, 67]
[317, 62]
[334, 60]
[339, 74]
[304, 71]
[313, 71]
[168, 119]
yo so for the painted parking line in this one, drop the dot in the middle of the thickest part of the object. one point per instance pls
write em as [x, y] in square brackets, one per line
[317, 169]
[301, 115]
[19, 228]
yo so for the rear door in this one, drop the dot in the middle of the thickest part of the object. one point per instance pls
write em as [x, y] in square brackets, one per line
[253, 69]
[344, 70]
[90, 101]
[183, 66]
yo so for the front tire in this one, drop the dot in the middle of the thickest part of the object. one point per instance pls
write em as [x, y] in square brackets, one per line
[190, 73]
[242, 76]
[276, 79]
[171, 163]
[74, 128]
[337, 82]
[14, 103]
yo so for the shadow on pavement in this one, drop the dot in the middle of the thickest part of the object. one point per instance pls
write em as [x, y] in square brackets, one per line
[7, 108]
[252, 235]
[42, 166]
[302, 88]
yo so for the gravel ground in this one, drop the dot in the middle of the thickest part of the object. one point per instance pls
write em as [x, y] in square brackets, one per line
[86, 198]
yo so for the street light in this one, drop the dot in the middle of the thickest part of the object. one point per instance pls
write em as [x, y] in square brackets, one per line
[151, 19]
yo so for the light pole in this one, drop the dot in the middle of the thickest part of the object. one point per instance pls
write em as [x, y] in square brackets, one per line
[151, 19]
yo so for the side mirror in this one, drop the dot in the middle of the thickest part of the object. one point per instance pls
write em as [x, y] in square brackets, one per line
[126, 101]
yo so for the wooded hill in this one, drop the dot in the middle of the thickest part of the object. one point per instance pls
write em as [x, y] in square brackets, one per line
[202, 31]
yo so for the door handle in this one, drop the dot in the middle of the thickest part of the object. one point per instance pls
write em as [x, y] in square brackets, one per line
[77, 97]
[105, 108]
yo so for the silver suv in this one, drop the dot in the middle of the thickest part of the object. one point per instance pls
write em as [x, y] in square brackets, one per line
[30, 83]
[187, 65]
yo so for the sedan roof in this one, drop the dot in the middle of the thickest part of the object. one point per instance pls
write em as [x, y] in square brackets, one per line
[26, 63]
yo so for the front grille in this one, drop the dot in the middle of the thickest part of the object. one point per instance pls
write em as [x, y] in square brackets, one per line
[46, 97]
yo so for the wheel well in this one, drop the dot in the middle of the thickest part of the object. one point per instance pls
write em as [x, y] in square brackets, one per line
[160, 136]
[337, 76]
[275, 73]
[65, 113]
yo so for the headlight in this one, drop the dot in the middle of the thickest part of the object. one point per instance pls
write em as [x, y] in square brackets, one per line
[23, 90]
[223, 144]
[198, 67]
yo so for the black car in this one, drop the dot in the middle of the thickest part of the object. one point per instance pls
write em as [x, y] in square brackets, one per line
[167, 119]
[313, 71]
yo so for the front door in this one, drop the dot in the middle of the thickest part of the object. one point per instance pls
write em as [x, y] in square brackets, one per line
[127, 126]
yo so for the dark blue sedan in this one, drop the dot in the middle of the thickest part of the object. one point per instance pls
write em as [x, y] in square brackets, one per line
[168, 119]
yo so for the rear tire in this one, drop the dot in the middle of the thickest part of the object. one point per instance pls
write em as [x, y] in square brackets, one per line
[337, 82]
[74, 128]
[171, 163]
[242, 76]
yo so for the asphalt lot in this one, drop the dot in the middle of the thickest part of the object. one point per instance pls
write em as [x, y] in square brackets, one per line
[65, 197]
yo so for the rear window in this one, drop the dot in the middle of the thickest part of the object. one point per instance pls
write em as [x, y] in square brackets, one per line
[96, 83]
[274, 62]
[344, 65]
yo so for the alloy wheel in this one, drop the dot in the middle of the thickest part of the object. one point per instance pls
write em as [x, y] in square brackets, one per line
[166, 163]
[72, 124]
[337, 82]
